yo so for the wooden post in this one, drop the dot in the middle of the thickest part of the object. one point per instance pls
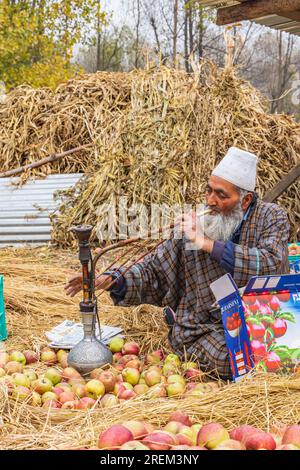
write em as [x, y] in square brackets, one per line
[251, 10]
[283, 184]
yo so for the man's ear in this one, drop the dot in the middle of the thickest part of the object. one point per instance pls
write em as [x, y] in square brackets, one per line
[247, 201]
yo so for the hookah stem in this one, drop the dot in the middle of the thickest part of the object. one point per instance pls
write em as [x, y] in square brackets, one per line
[129, 267]
[134, 240]
[118, 259]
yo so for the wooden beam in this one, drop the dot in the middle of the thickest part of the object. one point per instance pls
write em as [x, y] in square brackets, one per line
[292, 15]
[251, 10]
[283, 184]
[51, 159]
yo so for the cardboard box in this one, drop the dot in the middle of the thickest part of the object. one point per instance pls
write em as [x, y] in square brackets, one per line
[294, 257]
[3, 332]
[262, 325]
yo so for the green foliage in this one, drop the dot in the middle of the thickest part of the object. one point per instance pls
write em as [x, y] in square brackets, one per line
[37, 39]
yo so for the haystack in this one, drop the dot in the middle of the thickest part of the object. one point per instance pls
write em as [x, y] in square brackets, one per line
[156, 136]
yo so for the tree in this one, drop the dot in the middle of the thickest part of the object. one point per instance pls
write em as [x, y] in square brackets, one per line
[112, 50]
[37, 39]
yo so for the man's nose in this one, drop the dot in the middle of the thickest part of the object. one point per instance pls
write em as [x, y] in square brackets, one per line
[211, 200]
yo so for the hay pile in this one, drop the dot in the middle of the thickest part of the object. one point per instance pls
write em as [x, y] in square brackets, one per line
[35, 300]
[262, 401]
[157, 135]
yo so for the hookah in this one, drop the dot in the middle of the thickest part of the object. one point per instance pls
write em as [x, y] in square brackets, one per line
[89, 353]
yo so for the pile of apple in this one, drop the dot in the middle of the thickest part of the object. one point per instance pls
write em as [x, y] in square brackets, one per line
[61, 386]
[180, 433]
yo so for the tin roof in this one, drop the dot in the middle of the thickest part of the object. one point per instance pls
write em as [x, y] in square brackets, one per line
[273, 21]
[24, 211]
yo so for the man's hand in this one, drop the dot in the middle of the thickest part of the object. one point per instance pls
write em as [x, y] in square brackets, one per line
[194, 232]
[74, 285]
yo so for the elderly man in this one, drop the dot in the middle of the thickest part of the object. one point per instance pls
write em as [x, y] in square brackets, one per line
[242, 236]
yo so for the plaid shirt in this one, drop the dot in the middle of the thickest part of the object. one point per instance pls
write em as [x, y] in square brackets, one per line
[180, 278]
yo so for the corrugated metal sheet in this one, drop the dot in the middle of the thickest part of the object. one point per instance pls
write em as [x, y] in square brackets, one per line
[24, 211]
[273, 21]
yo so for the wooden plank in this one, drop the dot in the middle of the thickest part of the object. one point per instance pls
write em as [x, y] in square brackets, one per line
[251, 10]
[283, 185]
[292, 15]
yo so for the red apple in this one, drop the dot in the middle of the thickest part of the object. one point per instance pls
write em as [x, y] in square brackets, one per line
[21, 393]
[292, 435]
[70, 405]
[272, 362]
[157, 391]
[109, 380]
[48, 357]
[85, 403]
[283, 296]
[254, 308]
[134, 445]
[66, 396]
[230, 444]
[131, 348]
[152, 377]
[30, 356]
[137, 428]
[79, 390]
[211, 435]
[51, 404]
[193, 374]
[4, 359]
[185, 436]
[159, 440]
[70, 373]
[241, 433]
[109, 400]
[260, 440]
[127, 395]
[117, 356]
[47, 396]
[42, 385]
[114, 437]
[279, 327]
[135, 364]
[257, 331]
[57, 390]
[18, 356]
[173, 427]
[140, 389]
[259, 349]
[180, 417]
[274, 304]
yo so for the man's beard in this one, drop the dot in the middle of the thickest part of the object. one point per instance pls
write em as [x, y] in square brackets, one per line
[222, 227]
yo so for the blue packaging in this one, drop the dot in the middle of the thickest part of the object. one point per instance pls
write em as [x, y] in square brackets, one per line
[262, 325]
[3, 331]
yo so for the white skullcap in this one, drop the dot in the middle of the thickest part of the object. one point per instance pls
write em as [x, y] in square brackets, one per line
[239, 168]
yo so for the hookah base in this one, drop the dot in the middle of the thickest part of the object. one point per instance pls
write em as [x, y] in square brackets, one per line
[88, 355]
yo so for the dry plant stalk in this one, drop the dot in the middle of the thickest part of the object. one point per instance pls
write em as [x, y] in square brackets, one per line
[156, 135]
